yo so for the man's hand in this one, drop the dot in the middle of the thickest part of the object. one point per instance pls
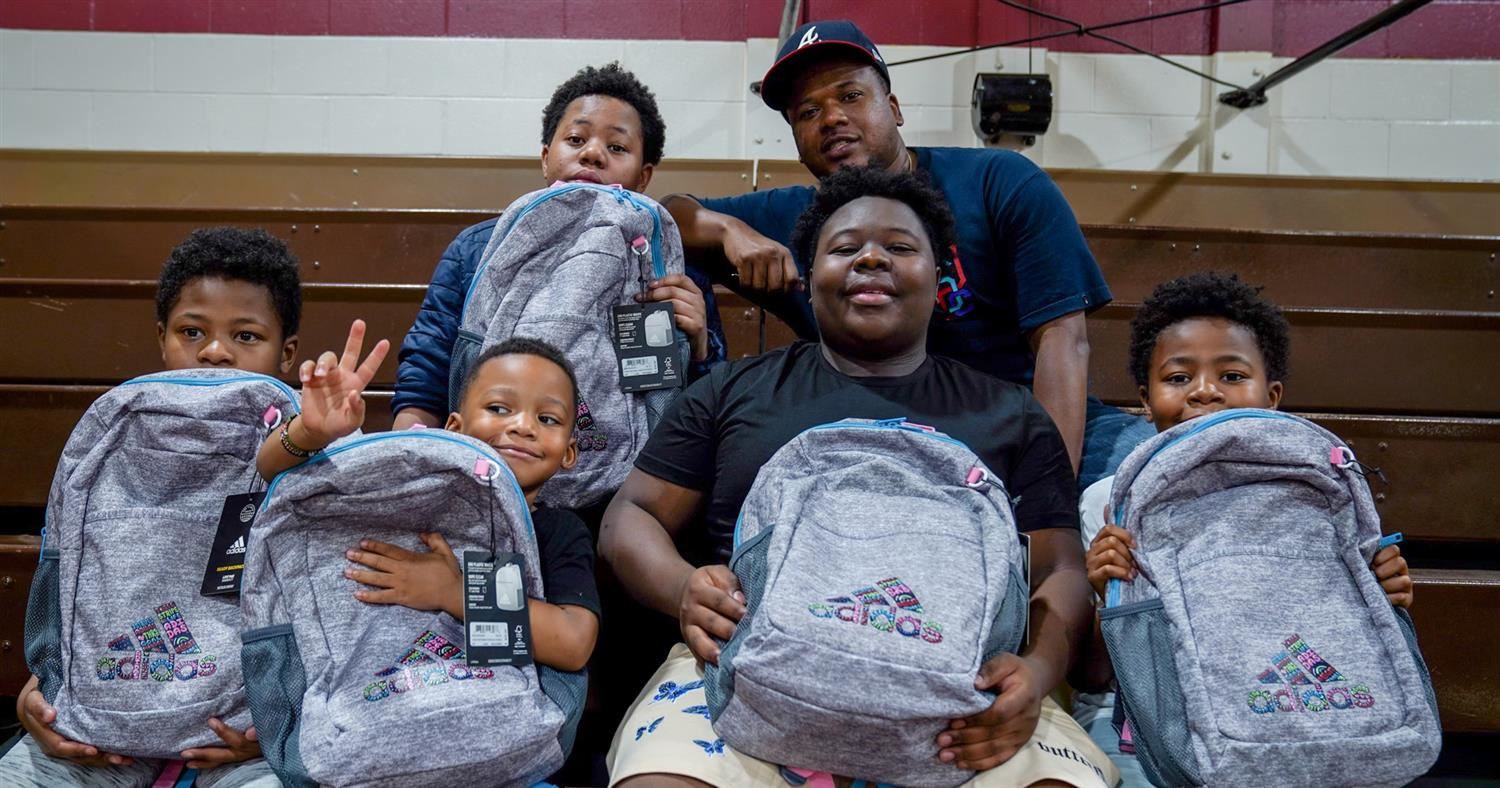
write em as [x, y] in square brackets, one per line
[712, 604]
[238, 746]
[687, 307]
[331, 403]
[759, 262]
[1390, 570]
[37, 716]
[992, 736]
[1109, 557]
[420, 581]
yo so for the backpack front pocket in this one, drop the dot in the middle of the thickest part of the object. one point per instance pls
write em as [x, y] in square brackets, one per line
[866, 615]
[501, 721]
[1300, 661]
[150, 658]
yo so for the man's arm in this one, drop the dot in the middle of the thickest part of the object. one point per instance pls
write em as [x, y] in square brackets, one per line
[759, 262]
[1060, 607]
[1061, 382]
[636, 539]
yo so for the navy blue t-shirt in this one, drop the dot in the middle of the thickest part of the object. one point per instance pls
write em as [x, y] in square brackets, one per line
[1022, 257]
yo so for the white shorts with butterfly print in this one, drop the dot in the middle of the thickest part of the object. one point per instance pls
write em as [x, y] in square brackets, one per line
[667, 731]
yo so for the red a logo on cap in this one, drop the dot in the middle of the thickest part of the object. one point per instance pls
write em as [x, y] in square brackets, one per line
[810, 37]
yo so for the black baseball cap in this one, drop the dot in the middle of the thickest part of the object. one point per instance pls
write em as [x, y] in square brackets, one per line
[819, 36]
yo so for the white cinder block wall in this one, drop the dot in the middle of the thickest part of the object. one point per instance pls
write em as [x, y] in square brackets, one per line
[447, 96]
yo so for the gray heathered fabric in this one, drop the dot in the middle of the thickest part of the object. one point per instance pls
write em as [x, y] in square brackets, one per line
[1252, 547]
[429, 719]
[131, 515]
[834, 513]
[26, 766]
[558, 260]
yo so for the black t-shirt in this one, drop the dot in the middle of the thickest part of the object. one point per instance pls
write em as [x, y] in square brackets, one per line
[723, 428]
[566, 551]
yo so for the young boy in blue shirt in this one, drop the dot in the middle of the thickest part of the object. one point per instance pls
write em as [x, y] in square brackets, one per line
[601, 126]
[1200, 344]
[227, 298]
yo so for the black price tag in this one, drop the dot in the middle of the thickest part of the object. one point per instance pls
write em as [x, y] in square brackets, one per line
[646, 345]
[226, 562]
[497, 624]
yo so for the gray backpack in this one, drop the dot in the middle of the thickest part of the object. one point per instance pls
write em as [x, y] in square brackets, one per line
[881, 567]
[135, 659]
[558, 259]
[1255, 645]
[346, 693]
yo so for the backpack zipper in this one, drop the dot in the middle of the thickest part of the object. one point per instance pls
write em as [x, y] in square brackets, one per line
[249, 376]
[897, 423]
[658, 266]
[323, 455]
[1112, 589]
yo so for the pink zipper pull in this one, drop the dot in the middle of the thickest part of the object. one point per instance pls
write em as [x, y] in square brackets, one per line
[484, 470]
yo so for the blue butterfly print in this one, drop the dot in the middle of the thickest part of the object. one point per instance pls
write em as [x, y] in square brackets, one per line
[715, 747]
[670, 690]
[697, 710]
[645, 729]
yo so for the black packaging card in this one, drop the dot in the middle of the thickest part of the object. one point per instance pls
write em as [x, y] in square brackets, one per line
[226, 562]
[646, 345]
[1026, 577]
[497, 623]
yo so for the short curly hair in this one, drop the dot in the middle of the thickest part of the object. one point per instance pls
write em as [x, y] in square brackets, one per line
[523, 346]
[613, 81]
[1209, 294]
[234, 253]
[844, 186]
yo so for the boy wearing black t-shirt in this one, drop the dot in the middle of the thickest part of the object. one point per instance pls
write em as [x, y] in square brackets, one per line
[878, 241]
[520, 398]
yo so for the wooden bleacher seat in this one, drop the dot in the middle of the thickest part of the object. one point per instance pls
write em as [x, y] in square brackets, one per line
[1389, 287]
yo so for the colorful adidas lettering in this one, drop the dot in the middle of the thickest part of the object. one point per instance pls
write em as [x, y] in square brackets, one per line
[589, 438]
[158, 647]
[1304, 674]
[888, 606]
[431, 660]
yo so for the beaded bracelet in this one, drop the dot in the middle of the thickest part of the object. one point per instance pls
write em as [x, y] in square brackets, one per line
[286, 441]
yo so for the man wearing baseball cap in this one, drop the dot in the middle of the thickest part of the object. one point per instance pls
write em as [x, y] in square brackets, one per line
[1012, 305]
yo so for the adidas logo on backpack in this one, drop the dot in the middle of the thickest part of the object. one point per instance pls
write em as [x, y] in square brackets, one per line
[161, 641]
[888, 606]
[322, 682]
[809, 678]
[431, 661]
[1254, 532]
[1301, 698]
[559, 259]
[130, 522]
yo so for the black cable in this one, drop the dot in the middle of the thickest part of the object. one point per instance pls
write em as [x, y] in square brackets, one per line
[1079, 30]
[1167, 60]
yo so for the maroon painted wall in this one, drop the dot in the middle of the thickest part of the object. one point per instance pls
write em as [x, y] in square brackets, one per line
[1445, 29]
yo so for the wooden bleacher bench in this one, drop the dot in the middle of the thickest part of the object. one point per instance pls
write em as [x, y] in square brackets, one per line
[1395, 320]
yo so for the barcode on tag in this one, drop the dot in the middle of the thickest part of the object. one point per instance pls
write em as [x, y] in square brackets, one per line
[488, 634]
[635, 367]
